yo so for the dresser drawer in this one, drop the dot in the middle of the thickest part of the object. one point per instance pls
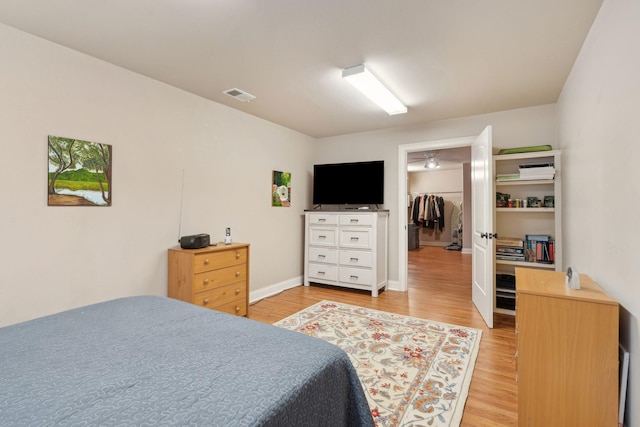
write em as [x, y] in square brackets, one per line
[355, 219]
[215, 277]
[356, 238]
[323, 219]
[326, 255]
[356, 259]
[221, 277]
[214, 260]
[323, 236]
[221, 295]
[238, 307]
[356, 276]
[322, 271]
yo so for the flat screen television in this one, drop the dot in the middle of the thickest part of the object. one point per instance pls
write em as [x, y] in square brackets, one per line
[360, 183]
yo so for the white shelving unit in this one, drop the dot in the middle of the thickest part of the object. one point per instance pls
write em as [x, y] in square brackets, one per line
[518, 222]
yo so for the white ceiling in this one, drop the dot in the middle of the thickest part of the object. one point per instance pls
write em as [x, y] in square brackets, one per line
[449, 158]
[443, 58]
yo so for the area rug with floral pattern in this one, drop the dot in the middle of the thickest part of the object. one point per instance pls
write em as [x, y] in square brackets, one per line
[415, 372]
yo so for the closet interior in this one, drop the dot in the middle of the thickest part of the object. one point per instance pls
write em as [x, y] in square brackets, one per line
[437, 218]
[436, 204]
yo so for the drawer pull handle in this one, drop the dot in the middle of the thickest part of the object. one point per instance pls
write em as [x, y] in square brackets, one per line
[353, 277]
[237, 255]
[205, 282]
[322, 256]
[237, 291]
[205, 301]
[354, 259]
[321, 272]
[322, 237]
[237, 273]
[322, 219]
[354, 220]
[237, 309]
[355, 238]
[206, 261]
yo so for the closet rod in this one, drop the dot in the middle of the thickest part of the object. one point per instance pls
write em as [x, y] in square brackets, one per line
[437, 192]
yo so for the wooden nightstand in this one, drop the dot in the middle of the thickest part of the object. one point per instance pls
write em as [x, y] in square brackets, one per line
[215, 277]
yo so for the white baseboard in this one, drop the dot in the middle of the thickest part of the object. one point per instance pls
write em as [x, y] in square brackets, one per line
[274, 289]
[393, 285]
[466, 251]
[255, 296]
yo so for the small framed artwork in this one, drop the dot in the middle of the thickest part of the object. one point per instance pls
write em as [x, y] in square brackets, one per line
[79, 173]
[281, 189]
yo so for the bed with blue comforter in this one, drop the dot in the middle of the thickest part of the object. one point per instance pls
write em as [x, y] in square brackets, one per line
[151, 360]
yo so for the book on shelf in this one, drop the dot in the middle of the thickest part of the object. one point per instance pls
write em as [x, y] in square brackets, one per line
[540, 251]
[504, 257]
[507, 255]
[510, 241]
[508, 177]
[509, 250]
[538, 237]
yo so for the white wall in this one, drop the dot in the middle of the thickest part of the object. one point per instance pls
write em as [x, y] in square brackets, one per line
[55, 258]
[513, 128]
[598, 133]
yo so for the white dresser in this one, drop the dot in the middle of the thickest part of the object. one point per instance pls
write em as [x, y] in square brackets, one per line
[347, 249]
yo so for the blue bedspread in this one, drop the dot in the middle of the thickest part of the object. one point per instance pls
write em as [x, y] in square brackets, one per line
[156, 361]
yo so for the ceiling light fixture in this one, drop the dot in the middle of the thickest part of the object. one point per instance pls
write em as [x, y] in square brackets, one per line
[432, 162]
[363, 80]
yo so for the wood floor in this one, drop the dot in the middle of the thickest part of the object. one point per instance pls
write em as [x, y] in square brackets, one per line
[439, 289]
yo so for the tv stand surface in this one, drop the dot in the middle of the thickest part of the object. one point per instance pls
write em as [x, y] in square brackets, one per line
[337, 208]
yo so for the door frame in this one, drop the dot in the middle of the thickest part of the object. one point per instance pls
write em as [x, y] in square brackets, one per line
[403, 150]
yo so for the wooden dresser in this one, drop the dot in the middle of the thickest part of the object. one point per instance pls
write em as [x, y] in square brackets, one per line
[215, 277]
[567, 351]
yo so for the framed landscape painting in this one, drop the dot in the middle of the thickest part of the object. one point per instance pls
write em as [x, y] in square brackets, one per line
[79, 173]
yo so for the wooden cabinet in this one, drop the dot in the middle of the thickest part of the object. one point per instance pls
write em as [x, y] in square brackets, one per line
[567, 351]
[215, 277]
[522, 219]
[347, 249]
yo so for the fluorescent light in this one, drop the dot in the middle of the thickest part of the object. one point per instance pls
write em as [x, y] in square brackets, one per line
[363, 80]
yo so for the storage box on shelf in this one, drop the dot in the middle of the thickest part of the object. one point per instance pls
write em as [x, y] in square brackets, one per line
[527, 215]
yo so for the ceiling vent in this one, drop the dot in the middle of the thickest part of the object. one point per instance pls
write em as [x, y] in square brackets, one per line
[238, 94]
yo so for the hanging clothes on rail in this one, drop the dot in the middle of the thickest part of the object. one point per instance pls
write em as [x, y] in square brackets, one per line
[428, 212]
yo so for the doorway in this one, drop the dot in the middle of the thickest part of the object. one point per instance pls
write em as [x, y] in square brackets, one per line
[439, 193]
[483, 289]
[403, 184]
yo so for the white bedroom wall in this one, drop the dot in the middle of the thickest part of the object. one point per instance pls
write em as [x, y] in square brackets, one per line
[55, 258]
[598, 133]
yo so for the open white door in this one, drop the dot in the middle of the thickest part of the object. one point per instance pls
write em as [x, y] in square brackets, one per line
[482, 225]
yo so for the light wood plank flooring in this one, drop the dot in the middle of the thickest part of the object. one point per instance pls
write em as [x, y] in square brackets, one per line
[439, 289]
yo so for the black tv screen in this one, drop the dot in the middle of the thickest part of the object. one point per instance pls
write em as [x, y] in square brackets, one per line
[360, 183]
